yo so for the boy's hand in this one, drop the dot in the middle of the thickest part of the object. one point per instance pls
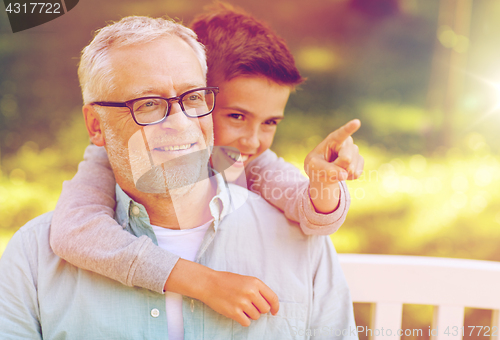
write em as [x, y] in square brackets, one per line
[235, 296]
[335, 159]
[239, 297]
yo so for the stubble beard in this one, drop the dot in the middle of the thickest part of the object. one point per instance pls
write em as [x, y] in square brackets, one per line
[175, 177]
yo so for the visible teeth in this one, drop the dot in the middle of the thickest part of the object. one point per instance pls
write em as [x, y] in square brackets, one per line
[175, 147]
[236, 156]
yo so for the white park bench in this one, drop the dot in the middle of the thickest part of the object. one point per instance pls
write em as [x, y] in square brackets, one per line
[389, 281]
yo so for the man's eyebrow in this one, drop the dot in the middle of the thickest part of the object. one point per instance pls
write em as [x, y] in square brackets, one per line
[143, 93]
[248, 113]
[155, 90]
[189, 86]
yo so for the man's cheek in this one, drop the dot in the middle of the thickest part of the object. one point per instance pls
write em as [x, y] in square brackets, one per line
[207, 127]
[138, 155]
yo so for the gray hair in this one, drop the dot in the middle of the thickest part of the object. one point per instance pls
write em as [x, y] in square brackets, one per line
[94, 76]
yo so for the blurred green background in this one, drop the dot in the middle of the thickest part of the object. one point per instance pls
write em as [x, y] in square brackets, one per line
[422, 75]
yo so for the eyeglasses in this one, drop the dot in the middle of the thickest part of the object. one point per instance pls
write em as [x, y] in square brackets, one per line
[152, 110]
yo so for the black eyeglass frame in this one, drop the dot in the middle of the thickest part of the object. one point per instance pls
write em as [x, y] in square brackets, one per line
[130, 104]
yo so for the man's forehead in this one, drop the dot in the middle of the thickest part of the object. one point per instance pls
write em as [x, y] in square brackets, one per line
[151, 67]
[170, 43]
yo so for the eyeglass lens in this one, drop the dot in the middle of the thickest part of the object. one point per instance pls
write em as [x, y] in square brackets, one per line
[194, 104]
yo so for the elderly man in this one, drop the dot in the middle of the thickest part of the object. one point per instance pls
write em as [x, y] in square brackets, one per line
[146, 101]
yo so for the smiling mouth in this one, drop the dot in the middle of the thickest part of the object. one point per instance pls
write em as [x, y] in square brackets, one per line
[236, 156]
[175, 147]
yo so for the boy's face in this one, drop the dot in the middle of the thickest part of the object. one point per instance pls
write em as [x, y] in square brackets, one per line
[246, 115]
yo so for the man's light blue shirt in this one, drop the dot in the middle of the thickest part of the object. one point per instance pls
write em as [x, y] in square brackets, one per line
[45, 297]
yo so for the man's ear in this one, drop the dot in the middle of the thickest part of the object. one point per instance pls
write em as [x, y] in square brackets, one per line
[93, 123]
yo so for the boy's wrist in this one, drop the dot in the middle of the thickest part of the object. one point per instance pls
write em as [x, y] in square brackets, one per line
[190, 279]
[325, 197]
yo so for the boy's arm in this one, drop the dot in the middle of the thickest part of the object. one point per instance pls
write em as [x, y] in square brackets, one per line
[335, 159]
[237, 297]
[319, 204]
[283, 185]
[84, 233]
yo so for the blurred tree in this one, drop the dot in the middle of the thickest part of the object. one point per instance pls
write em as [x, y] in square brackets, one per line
[376, 9]
[449, 62]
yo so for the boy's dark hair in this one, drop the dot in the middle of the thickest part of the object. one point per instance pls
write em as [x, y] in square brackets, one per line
[238, 44]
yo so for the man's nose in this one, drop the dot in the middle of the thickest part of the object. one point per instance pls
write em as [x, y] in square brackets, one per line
[176, 119]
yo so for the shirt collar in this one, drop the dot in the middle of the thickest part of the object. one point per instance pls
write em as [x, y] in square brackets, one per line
[127, 209]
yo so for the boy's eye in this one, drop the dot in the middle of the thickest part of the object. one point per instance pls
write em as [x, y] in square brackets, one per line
[236, 116]
[271, 122]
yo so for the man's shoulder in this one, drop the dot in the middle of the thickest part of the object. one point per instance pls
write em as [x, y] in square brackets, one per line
[244, 199]
[38, 225]
[27, 248]
[255, 215]
[32, 235]
[37, 222]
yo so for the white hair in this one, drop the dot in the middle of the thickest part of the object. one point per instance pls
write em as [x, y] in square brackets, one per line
[93, 73]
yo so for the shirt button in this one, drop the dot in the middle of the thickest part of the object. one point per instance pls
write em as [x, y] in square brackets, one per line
[155, 313]
[135, 210]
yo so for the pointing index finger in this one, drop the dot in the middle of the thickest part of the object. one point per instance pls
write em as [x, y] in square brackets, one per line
[342, 133]
[338, 137]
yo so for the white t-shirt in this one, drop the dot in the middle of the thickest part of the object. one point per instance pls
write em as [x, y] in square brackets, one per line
[184, 243]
